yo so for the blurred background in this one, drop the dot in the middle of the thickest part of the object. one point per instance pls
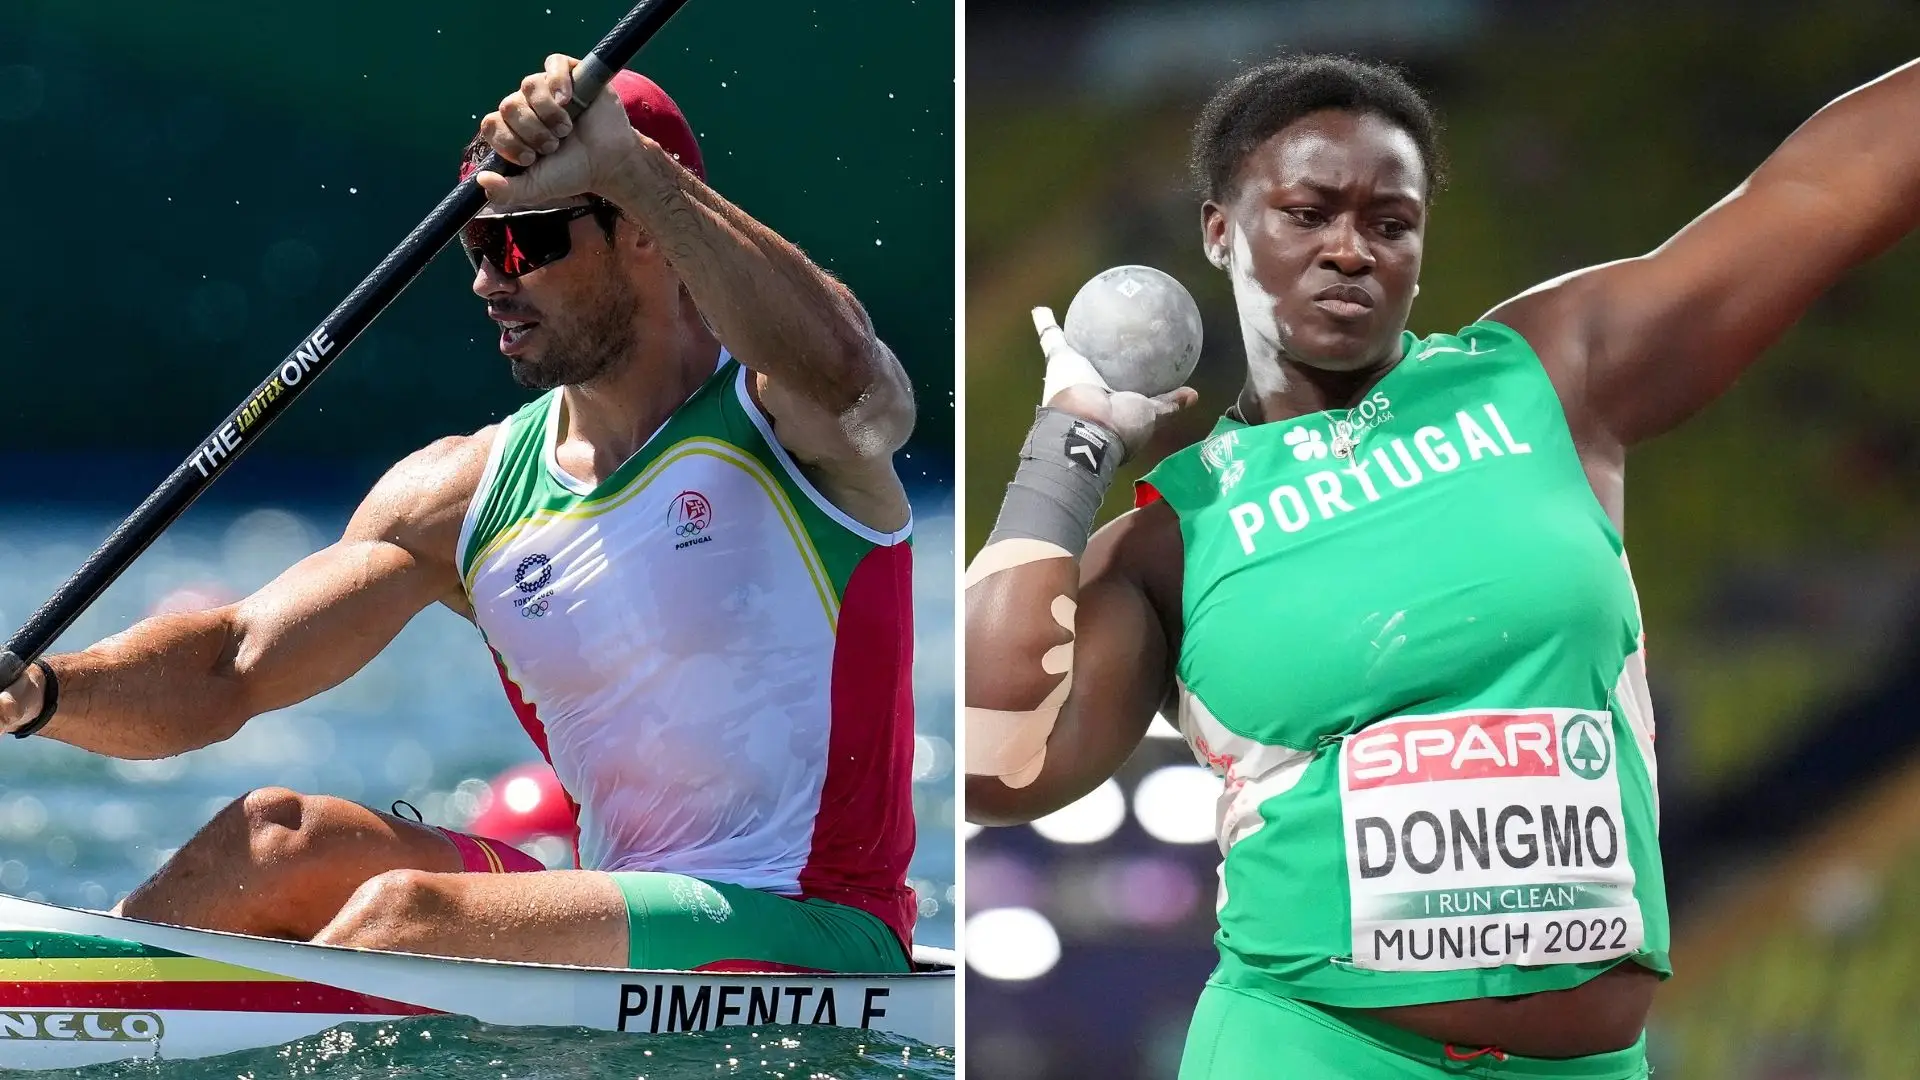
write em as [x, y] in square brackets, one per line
[191, 187]
[1775, 539]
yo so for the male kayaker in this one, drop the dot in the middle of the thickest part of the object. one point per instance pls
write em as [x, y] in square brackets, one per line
[689, 558]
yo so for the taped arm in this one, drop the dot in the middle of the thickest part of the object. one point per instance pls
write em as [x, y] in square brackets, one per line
[1067, 659]
[1066, 655]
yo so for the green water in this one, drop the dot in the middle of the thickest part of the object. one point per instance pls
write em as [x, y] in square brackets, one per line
[455, 1048]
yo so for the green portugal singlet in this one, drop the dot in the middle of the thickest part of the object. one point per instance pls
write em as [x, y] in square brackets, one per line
[1413, 651]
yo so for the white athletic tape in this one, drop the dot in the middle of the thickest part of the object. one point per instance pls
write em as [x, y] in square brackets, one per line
[1065, 366]
[1012, 744]
[1009, 553]
[1059, 659]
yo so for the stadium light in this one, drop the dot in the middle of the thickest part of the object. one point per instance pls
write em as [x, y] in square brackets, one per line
[522, 794]
[1011, 944]
[932, 759]
[1175, 804]
[1087, 820]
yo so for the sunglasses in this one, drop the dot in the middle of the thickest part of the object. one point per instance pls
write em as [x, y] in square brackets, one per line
[523, 242]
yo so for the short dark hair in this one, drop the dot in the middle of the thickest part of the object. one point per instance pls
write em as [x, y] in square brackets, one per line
[604, 212]
[1257, 103]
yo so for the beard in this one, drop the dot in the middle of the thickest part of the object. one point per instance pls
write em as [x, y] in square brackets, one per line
[582, 348]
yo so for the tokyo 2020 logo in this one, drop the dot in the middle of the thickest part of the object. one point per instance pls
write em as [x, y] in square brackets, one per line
[533, 573]
[530, 577]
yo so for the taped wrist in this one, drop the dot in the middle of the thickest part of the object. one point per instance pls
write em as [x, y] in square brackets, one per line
[1066, 466]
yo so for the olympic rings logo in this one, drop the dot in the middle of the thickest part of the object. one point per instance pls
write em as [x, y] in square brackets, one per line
[537, 608]
[691, 528]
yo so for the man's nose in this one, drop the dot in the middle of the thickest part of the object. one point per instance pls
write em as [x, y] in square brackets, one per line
[489, 282]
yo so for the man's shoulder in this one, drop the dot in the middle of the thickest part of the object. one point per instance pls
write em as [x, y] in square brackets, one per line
[448, 468]
[451, 457]
[427, 491]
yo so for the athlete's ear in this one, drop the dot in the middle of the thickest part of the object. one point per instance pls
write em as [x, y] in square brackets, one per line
[1213, 233]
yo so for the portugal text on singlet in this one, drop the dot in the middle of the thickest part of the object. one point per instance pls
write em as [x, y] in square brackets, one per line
[1413, 650]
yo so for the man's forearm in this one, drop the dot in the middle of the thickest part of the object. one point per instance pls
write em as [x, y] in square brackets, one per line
[164, 686]
[774, 309]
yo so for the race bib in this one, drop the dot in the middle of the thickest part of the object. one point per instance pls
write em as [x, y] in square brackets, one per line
[1487, 838]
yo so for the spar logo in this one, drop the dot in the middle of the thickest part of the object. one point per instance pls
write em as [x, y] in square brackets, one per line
[690, 516]
[1424, 749]
[1585, 744]
[1528, 801]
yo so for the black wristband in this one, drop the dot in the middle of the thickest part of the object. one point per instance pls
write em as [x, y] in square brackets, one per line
[1066, 466]
[49, 701]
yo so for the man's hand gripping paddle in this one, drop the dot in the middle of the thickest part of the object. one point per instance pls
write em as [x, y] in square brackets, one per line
[315, 353]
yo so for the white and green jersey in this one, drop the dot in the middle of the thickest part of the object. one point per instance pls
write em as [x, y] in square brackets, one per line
[715, 659]
[1412, 649]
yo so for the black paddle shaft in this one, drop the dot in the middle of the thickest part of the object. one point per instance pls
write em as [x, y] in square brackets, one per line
[302, 366]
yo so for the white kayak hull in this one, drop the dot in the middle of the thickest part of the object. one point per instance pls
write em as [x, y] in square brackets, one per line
[78, 987]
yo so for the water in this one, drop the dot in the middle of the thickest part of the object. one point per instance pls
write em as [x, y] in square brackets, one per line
[425, 722]
[453, 1048]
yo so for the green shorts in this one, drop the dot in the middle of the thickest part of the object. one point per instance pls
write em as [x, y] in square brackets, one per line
[1236, 1034]
[681, 923]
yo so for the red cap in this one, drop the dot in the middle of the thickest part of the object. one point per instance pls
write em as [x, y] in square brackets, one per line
[653, 114]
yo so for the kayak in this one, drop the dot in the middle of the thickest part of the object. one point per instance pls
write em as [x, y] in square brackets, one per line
[81, 987]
